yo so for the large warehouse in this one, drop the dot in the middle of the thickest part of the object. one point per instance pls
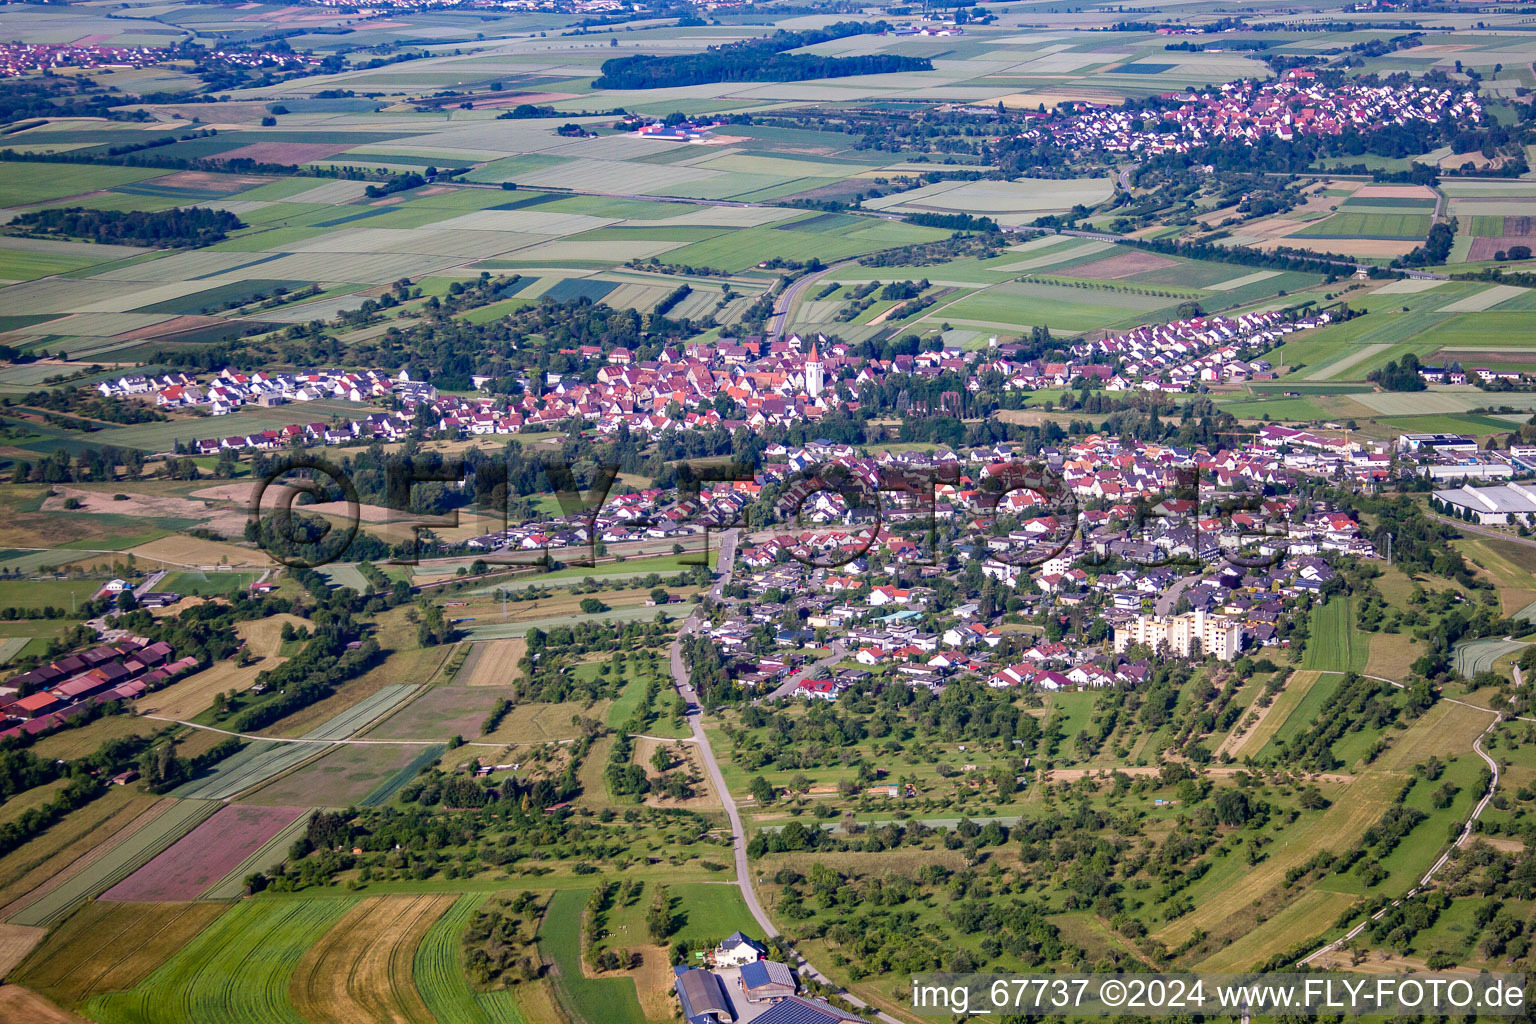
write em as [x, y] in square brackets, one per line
[1490, 504]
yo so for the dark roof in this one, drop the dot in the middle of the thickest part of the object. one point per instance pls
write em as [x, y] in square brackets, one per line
[701, 994]
[800, 1010]
[764, 973]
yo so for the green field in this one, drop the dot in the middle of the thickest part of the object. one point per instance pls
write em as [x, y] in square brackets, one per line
[32, 594]
[27, 183]
[610, 1000]
[1335, 644]
[1369, 225]
[201, 584]
[439, 970]
[238, 969]
[742, 248]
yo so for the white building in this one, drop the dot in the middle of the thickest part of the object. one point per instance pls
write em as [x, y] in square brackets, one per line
[1219, 636]
[1491, 504]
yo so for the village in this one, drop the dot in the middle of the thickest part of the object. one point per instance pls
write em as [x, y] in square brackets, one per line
[767, 382]
[1246, 111]
[18, 59]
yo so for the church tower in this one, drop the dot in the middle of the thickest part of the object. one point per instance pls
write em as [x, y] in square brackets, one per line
[814, 381]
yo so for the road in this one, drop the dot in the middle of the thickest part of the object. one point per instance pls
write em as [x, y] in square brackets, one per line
[786, 301]
[1124, 177]
[150, 583]
[1163, 604]
[784, 689]
[1484, 531]
[717, 780]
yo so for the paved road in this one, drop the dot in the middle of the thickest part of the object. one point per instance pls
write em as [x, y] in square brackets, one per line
[784, 689]
[1164, 602]
[149, 584]
[786, 301]
[712, 769]
[1484, 531]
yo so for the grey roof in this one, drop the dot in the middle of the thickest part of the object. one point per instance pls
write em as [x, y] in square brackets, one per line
[701, 993]
[800, 1010]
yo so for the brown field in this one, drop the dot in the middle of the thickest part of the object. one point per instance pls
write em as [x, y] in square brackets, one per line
[1392, 655]
[173, 326]
[1346, 246]
[213, 182]
[71, 844]
[16, 941]
[1394, 192]
[691, 764]
[1485, 248]
[193, 695]
[493, 663]
[361, 970]
[22, 1004]
[181, 550]
[110, 947]
[1125, 265]
[283, 152]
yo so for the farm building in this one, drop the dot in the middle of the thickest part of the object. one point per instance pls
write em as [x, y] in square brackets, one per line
[1488, 504]
[766, 981]
[702, 996]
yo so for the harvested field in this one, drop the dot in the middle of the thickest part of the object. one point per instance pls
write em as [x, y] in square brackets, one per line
[493, 663]
[1487, 248]
[147, 506]
[109, 947]
[21, 1004]
[193, 695]
[232, 885]
[1344, 246]
[205, 181]
[1127, 264]
[362, 969]
[204, 855]
[16, 941]
[1394, 192]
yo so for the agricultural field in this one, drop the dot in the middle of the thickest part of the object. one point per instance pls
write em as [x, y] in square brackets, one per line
[472, 794]
[241, 965]
[204, 855]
